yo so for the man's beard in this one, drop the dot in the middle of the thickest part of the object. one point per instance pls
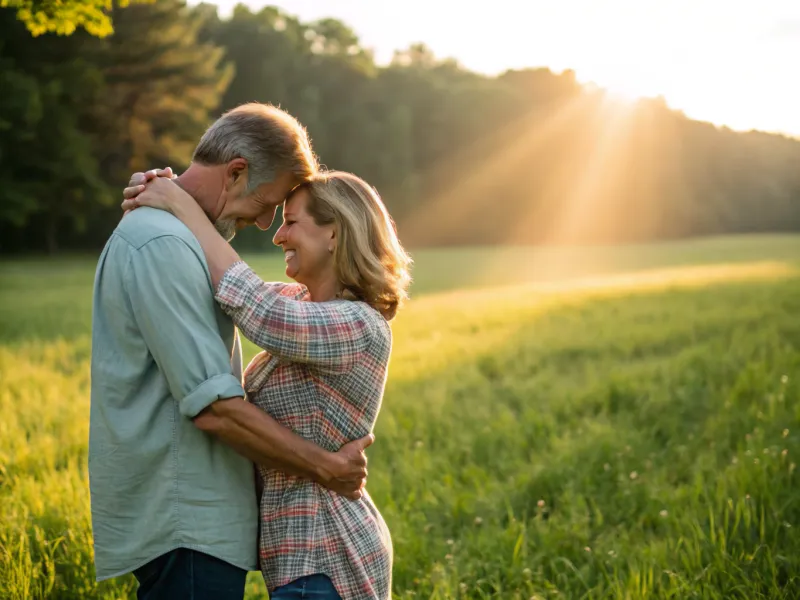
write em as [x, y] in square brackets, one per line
[226, 228]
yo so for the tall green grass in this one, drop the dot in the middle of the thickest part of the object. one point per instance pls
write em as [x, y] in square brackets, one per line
[634, 438]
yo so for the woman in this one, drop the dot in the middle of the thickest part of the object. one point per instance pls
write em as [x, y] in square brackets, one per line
[326, 344]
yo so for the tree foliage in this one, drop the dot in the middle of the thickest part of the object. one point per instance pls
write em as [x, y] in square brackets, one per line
[64, 17]
[526, 157]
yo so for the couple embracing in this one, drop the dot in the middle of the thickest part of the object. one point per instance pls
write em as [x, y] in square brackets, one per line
[201, 471]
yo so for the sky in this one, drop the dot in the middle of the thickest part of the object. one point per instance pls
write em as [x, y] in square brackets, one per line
[731, 62]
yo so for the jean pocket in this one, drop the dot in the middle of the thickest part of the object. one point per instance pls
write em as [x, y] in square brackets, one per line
[149, 572]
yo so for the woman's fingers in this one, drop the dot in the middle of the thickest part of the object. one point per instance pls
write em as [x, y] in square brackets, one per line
[142, 199]
[165, 173]
[153, 173]
[137, 179]
[133, 191]
[138, 184]
[129, 205]
[140, 178]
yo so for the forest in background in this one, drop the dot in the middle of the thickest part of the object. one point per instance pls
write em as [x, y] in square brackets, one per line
[525, 157]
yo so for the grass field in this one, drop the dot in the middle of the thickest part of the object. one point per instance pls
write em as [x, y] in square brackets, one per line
[591, 423]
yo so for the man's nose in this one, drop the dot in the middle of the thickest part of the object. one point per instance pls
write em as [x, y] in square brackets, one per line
[265, 219]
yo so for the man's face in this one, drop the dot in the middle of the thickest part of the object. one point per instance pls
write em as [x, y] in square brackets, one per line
[257, 207]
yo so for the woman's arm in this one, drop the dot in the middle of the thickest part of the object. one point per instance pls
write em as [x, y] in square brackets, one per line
[330, 335]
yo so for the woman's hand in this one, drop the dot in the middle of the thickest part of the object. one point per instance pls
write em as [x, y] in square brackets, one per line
[138, 181]
[159, 192]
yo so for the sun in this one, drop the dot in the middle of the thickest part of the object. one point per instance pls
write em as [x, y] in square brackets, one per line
[621, 94]
[624, 82]
[618, 90]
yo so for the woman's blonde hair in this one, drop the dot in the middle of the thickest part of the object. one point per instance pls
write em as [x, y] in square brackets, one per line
[370, 263]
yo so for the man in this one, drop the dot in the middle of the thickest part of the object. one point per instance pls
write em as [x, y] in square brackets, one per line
[171, 436]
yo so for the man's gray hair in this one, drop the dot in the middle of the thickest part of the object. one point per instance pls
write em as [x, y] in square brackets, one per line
[270, 139]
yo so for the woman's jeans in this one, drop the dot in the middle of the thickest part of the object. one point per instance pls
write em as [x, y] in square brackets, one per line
[311, 587]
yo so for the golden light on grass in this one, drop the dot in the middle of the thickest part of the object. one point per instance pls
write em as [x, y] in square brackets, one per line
[526, 393]
[614, 284]
[435, 331]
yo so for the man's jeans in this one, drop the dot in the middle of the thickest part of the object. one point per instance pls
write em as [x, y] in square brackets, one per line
[189, 575]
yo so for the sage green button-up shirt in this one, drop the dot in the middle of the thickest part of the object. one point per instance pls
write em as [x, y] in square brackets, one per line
[162, 351]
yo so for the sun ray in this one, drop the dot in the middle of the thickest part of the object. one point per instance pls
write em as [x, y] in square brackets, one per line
[457, 205]
[582, 215]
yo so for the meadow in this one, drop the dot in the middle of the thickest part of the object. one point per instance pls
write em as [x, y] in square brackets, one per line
[588, 423]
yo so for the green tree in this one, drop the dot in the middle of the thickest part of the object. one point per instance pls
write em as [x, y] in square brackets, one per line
[529, 156]
[162, 82]
[47, 165]
[79, 114]
[63, 17]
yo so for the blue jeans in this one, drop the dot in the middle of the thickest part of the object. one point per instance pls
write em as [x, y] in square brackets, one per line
[189, 575]
[312, 587]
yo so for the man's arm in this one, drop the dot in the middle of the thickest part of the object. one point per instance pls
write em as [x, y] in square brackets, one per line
[173, 304]
[254, 434]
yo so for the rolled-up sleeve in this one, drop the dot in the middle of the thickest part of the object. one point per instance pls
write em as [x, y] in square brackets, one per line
[173, 304]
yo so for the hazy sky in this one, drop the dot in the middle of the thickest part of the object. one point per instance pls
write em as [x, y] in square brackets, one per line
[731, 62]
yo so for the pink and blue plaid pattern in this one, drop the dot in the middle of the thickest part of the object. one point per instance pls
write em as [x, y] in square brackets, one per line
[322, 374]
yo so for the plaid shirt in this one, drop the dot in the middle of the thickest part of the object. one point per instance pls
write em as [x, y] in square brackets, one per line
[322, 375]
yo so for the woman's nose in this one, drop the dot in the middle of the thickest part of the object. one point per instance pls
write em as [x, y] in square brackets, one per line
[279, 238]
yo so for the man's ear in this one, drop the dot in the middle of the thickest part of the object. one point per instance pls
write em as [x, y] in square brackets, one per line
[236, 173]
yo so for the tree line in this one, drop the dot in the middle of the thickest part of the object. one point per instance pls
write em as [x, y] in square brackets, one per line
[526, 157]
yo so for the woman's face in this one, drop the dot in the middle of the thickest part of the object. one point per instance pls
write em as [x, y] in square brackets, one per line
[307, 247]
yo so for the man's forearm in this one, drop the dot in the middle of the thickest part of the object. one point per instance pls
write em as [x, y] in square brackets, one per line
[257, 436]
